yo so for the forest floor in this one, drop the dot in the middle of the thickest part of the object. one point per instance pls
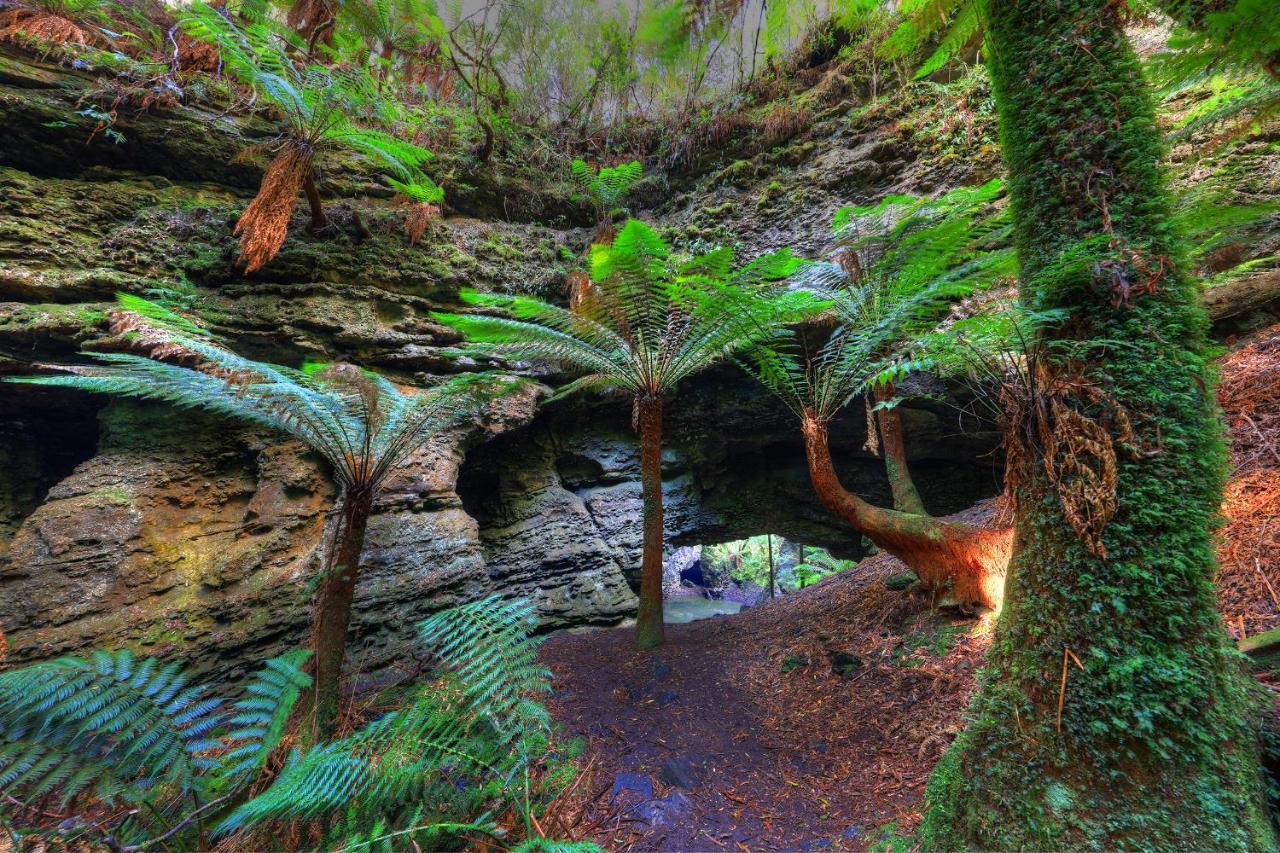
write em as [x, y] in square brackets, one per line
[813, 721]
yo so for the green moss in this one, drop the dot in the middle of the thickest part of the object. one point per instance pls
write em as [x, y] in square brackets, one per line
[770, 193]
[1157, 746]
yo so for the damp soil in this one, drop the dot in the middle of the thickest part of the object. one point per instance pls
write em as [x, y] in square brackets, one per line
[809, 722]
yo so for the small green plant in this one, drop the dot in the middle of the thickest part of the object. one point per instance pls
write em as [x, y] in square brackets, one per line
[890, 840]
[937, 643]
[818, 565]
[793, 661]
[605, 187]
[462, 743]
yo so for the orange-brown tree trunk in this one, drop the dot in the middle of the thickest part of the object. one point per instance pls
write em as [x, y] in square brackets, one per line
[892, 444]
[971, 560]
[331, 616]
[649, 632]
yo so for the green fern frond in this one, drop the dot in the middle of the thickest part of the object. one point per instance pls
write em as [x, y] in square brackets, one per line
[258, 720]
[548, 845]
[915, 258]
[605, 187]
[489, 645]
[650, 321]
[109, 720]
[362, 424]
[446, 741]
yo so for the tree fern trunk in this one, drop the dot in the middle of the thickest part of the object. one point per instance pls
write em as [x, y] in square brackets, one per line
[971, 560]
[649, 630]
[1112, 711]
[332, 613]
[319, 221]
[889, 421]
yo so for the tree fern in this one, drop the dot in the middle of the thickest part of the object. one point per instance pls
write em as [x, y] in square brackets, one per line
[949, 23]
[606, 187]
[459, 740]
[361, 423]
[1241, 97]
[650, 321]
[902, 263]
[321, 108]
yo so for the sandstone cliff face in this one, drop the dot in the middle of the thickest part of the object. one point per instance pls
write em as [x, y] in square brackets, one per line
[124, 524]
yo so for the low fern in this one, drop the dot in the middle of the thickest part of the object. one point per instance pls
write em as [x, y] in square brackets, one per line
[112, 727]
[463, 743]
[489, 645]
[111, 720]
[607, 186]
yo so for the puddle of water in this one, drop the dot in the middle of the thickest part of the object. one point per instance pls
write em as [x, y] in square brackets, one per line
[678, 611]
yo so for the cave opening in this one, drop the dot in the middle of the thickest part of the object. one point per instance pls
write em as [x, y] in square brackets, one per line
[44, 434]
[726, 577]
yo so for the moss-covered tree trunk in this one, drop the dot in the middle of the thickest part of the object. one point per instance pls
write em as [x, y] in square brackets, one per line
[331, 616]
[649, 626]
[1150, 743]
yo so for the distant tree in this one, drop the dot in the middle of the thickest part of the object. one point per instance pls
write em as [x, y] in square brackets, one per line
[359, 422]
[321, 110]
[391, 27]
[649, 323]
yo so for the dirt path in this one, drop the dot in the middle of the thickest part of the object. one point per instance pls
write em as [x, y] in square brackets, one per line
[808, 723]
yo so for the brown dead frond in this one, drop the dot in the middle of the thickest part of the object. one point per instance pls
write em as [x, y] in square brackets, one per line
[604, 234]
[145, 336]
[37, 27]
[785, 121]
[848, 259]
[1074, 428]
[1250, 547]
[197, 55]
[420, 217]
[265, 222]
[580, 289]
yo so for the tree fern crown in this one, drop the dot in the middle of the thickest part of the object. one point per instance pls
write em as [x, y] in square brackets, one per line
[651, 320]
